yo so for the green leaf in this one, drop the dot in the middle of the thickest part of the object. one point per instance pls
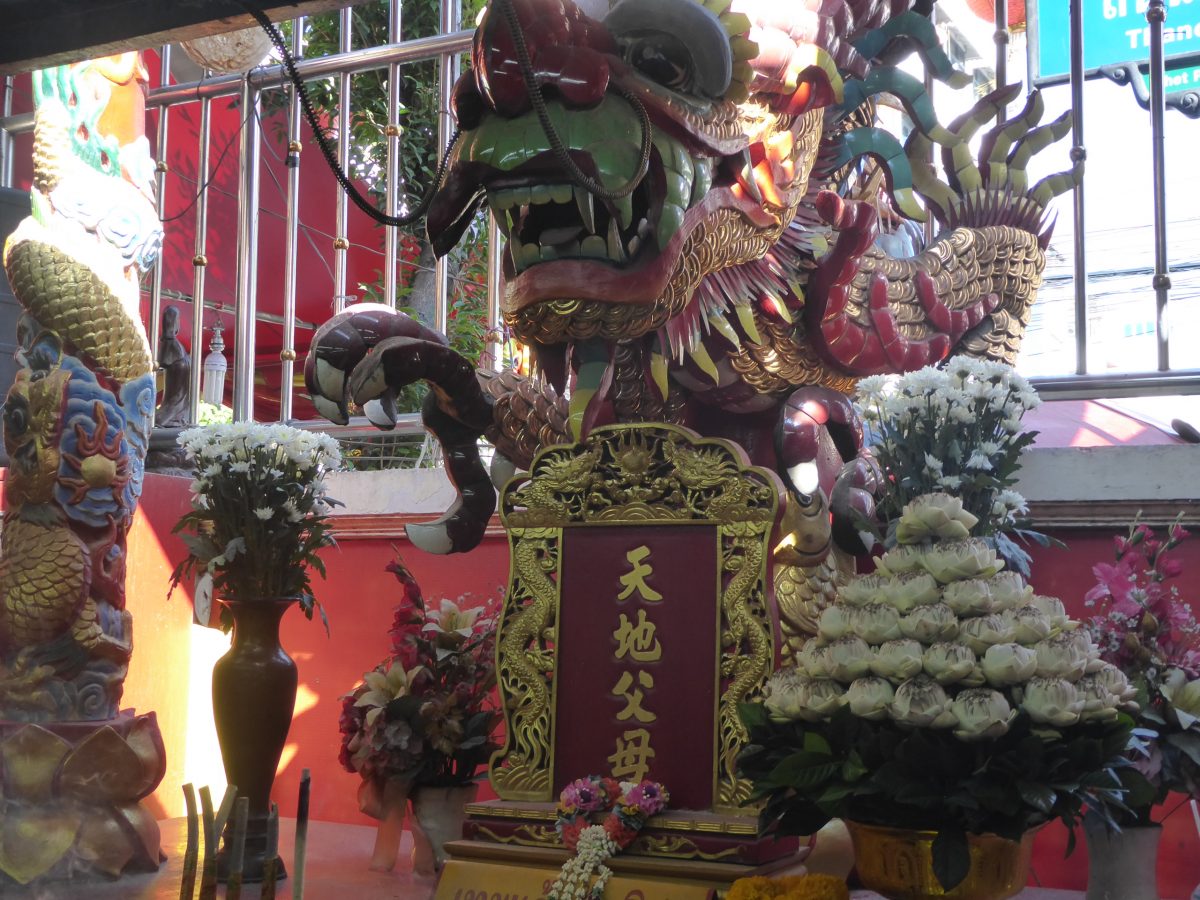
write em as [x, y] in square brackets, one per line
[1188, 743]
[951, 857]
[753, 715]
[1040, 796]
[814, 743]
[803, 771]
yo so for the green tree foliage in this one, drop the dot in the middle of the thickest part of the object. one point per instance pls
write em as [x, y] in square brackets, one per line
[419, 154]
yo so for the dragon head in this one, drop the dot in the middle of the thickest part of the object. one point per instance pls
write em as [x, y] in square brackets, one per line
[715, 134]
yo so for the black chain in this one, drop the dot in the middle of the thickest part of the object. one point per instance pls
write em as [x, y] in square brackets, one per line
[535, 96]
[560, 151]
[348, 186]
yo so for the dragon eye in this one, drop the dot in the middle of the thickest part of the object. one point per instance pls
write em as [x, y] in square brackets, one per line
[15, 419]
[663, 59]
[676, 43]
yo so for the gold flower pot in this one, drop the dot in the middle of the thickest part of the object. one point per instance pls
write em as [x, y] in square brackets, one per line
[898, 863]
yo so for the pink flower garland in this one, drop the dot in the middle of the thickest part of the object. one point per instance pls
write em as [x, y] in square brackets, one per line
[629, 806]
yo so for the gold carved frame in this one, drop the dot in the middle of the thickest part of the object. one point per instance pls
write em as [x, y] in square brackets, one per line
[631, 475]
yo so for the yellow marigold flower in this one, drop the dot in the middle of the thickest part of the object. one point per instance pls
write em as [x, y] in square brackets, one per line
[791, 887]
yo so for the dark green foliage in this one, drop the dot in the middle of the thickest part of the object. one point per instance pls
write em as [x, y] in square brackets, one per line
[882, 774]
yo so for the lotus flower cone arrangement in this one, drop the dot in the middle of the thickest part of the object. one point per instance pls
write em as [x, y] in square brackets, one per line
[942, 696]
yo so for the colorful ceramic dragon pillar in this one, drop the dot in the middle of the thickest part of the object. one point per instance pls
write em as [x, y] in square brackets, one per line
[76, 426]
[706, 226]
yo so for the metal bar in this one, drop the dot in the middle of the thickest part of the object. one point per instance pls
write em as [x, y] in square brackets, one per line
[1079, 155]
[1127, 384]
[391, 176]
[494, 278]
[181, 297]
[321, 67]
[1001, 38]
[291, 231]
[341, 241]
[1156, 14]
[160, 185]
[247, 258]
[200, 262]
[6, 141]
[450, 18]
[268, 77]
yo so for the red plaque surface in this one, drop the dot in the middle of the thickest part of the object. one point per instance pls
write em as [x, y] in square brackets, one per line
[636, 686]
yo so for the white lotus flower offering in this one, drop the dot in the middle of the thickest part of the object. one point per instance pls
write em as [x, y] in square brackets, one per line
[981, 713]
[849, 658]
[949, 663]
[1050, 607]
[940, 637]
[870, 697]
[908, 591]
[901, 560]
[1005, 664]
[972, 597]
[863, 590]
[958, 560]
[931, 516]
[1008, 590]
[930, 624]
[897, 660]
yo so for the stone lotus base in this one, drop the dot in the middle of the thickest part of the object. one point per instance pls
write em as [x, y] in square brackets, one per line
[69, 795]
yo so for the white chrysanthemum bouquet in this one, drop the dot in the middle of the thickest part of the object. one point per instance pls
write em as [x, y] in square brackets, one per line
[955, 429]
[941, 694]
[259, 510]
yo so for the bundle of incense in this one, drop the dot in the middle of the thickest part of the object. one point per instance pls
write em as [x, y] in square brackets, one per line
[187, 884]
[237, 849]
[301, 836]
[271, 865]
[208, 872]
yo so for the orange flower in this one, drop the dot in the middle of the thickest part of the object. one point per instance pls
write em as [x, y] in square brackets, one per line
[791, 887]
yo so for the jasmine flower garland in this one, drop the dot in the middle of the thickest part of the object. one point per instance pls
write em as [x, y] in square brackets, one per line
[629, 806]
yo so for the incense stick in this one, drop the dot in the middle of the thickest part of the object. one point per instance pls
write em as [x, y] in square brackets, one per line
[301, 836]
[226, 808]
[271, 863]
[208, 876]
[187, 884]
[237, 852]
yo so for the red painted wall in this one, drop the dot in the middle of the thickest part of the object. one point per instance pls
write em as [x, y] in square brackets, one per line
[360, 597]
[1067, 573]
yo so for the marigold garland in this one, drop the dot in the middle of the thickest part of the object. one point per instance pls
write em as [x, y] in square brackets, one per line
[791, 887]
[629, 806]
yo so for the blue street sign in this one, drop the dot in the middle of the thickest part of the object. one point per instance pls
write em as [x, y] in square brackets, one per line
[1114, 32]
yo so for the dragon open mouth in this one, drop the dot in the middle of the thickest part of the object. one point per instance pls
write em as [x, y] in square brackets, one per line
[549, 222]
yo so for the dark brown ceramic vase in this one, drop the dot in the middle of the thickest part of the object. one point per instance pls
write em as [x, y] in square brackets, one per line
[254, 693]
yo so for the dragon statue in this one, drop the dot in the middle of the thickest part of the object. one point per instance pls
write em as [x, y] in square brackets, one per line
[706, 226]
[77, 422]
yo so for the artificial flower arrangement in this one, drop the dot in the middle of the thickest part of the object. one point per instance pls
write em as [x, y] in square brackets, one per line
[789, 887]
[955, 429]
[1147, 630]
[941, 694]
[259, 513]
[626, 808]
[424, 715]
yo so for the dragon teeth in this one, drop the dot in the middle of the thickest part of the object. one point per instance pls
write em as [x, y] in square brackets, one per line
[615, 249]
[587, 208]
